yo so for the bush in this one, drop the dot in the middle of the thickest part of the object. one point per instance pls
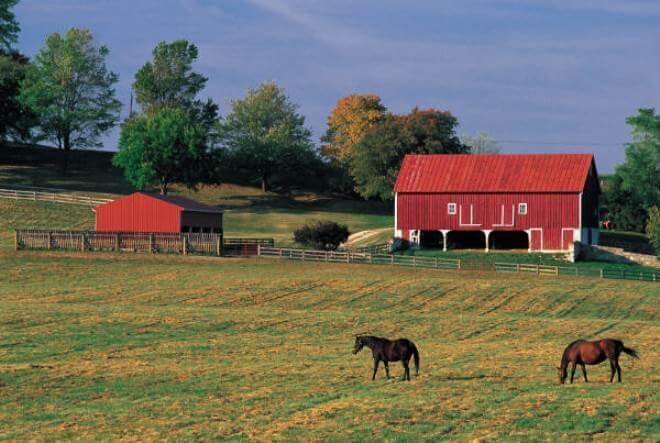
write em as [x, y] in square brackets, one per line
[653, 228]
[326, 235]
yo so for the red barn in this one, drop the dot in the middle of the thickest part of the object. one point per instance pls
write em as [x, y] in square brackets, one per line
[539, 202]
[142, 212]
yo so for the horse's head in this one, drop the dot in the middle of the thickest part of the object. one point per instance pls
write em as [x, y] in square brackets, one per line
[359, 344]
[563, 373]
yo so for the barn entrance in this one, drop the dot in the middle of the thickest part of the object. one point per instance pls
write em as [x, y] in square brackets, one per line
[508, 240]
[466, 240]
[430, 239]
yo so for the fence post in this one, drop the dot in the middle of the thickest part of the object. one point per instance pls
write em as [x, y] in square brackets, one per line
[258, 251]
[392, 256]
[348, 257]
[601, 273]
[436, 263]
[34, 195]
[16, 240]
[82, 242]
[538, 270]
[117, 242]
[152, 246]
[49, 239]
[517, 267]
[303, 255]
[185, 245]
[459, 264]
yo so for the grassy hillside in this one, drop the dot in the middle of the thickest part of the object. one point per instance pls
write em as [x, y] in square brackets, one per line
[249, 211]
[139, 347]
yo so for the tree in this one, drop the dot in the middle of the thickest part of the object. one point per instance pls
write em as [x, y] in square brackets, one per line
[326, 235]
[377, 159]
[168, 81]
[635, 186]
[15, 120]
[265, 135]
[481, 143]
[350, 119]
[161, 148]
[9, 27]
[70, 89]
[653, 228]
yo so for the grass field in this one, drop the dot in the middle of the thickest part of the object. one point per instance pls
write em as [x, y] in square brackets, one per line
[140, 347]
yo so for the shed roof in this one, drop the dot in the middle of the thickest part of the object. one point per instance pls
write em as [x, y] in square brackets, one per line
[494, 173]
[182, 203]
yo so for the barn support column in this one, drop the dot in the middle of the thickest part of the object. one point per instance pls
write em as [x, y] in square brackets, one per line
[529, 239]
[444, 233]
[487, 234]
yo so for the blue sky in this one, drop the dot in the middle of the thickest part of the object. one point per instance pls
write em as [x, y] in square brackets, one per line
[539, 76]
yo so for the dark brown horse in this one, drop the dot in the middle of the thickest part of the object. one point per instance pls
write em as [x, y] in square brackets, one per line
[389, 350]
[583, 352]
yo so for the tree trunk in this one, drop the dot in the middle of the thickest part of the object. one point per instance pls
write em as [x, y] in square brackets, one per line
[264, 183]
[163, 188]
[65, 157]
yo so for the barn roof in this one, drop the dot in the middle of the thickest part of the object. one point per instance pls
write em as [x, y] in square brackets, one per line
[494, 173]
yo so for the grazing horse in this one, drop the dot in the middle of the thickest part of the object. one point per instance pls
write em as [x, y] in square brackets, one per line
[389, 350]
[583, 352]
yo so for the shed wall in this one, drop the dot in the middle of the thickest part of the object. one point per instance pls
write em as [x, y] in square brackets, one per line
[138, 213]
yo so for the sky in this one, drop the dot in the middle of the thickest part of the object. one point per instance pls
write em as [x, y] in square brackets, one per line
[537, 75]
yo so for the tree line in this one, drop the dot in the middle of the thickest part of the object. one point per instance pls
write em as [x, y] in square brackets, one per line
[66, 95]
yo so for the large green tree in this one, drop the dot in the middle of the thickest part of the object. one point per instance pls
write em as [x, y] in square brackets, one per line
[9, 27]
[635, 187]
[377, 158]
[265, 135]
[70, 89]
[169, 81]
[16, 121]
[162, 147]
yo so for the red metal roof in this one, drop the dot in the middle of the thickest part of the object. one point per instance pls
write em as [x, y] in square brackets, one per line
[494, 173]
[184, 203]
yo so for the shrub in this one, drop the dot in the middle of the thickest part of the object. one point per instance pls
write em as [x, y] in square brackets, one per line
[326, 235]
[653, 228]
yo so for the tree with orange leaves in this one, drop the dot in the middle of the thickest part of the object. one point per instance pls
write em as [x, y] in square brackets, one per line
[350, 119]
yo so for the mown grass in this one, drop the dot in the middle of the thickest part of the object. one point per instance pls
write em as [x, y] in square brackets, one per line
[143, 347]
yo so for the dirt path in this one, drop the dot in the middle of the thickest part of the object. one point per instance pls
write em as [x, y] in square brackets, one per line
[363, 235]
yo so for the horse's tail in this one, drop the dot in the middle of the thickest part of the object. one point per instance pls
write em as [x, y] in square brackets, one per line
[631, 352]
[416, 357]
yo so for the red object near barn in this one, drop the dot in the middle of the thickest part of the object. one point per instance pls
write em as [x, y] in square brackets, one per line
[142, 212]
[538, 202]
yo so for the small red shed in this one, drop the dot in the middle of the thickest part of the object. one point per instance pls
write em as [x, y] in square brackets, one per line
[142, 212]
[540, 202]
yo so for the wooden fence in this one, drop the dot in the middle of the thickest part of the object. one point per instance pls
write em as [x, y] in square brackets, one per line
[578, 271]
[52, 196]
[453, 264]
[359, 257]
[154, 243]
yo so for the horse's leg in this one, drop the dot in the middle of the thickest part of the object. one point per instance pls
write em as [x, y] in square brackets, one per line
[612, 370]
[387, 369]
[573, 365]
[406, 370]
[376, 361]
[618, 369]
[584, 372]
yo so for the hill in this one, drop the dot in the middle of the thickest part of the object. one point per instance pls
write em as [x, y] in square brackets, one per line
[139, 347]
[249, 211]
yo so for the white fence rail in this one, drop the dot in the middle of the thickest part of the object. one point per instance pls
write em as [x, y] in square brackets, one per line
[51, 196]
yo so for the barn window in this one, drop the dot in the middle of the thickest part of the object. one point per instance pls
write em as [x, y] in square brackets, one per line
[522, 208]
[451, 208]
